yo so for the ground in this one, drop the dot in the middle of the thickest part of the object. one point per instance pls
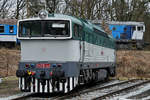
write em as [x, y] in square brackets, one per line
[9, 86]
[9, 59]
[129, 63]
[133, 64]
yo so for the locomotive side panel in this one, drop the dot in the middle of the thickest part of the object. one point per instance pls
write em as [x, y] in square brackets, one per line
[95, 53]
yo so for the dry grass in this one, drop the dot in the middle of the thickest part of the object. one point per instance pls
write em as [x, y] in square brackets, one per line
[133, 64]
[130, 64]
[8, 62]
[8, 88]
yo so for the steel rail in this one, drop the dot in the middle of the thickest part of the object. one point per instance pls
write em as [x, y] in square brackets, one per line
[23, 96]
[91, 90]
[121, 90]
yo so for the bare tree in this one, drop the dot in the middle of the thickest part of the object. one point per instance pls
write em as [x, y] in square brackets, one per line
[127, 10]
[81, 8]
[52, 5]
[20, 6]
[88, 9]
[34, 6]
[5, 6]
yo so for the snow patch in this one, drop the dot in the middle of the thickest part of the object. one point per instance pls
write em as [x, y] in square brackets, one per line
[139, 91]
[15, 96]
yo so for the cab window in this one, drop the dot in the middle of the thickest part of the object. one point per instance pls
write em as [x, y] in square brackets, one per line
[140, 28]
[77, 30]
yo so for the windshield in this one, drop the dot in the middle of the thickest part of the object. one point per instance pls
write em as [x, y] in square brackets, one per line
[46, 28]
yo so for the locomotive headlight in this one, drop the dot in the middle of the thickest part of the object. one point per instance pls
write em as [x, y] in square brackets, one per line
[43, 14]
[27, 65]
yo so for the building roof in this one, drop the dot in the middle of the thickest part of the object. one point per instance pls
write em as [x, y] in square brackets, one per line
[8, 21]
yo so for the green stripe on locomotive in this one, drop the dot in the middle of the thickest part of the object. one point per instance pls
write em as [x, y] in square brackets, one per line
[87, 32]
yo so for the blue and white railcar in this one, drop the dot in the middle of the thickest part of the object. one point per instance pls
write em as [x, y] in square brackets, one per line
[127, 30]
[8, 30]
[59, 52]
[128, 35]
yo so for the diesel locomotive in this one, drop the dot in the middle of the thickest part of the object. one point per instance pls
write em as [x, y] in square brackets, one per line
[60, 52]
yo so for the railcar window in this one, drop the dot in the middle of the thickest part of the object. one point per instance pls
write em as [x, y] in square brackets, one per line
[96, 39]
[125, 29]
[87, 37]
[90, 38]
[99, 41]
[76, 30]
[11, 29]
[134, 28]
[1, 29]
[140, 28]
[100, 33]
[114, 28]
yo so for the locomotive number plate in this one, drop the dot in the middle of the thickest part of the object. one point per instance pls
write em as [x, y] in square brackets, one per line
[43, 65]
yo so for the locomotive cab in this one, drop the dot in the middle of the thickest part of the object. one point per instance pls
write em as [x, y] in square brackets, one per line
[46, 37]
[47, 51]
[138, 32]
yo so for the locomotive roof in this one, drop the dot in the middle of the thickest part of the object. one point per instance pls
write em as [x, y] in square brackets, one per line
[126, 23]
[118, 22]
[77, 21]
[74, 19]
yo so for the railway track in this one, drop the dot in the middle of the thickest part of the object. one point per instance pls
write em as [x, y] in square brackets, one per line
[23, 96]
[142, 94]
[26, 96]
[19, 96]
[36, 96]
[105, 90]
[86, 91]
[121, 90]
